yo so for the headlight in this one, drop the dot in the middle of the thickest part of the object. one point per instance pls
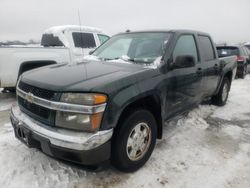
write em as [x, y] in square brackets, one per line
[78, 121]
[84, 98]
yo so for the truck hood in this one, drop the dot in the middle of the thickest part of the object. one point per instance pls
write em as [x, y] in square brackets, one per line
[85, 76]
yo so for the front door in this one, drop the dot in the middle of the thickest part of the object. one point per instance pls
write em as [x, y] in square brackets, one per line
[183, 90]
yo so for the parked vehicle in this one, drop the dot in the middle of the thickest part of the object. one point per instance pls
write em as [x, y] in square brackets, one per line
[113, 107]
[243, 57]
[247, 45]
[59, 44]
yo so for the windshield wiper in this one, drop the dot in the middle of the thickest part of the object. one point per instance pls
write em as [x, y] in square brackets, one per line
[117, 58]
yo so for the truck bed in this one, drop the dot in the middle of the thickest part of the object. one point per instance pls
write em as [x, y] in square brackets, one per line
[12, 57]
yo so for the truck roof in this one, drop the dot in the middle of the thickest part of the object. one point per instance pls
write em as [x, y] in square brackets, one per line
[62, 28]
[170, 30]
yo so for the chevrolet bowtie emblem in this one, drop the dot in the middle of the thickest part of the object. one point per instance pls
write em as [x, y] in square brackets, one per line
[29, 97]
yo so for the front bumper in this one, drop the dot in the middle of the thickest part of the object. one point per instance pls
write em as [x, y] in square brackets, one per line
[79, 147]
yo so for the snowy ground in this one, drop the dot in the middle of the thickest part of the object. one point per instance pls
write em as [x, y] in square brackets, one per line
[208, 148]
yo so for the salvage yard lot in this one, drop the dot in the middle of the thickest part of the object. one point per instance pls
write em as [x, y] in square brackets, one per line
[209, 147]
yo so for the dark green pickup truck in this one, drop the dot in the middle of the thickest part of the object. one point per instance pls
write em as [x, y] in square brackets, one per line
[112, 105]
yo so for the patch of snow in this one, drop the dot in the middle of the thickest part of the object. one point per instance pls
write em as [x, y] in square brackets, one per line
[6, 102]
[61, 28]
[155, 64]
[120, 61]
[89, 58]
[233, 131]
[238, 102]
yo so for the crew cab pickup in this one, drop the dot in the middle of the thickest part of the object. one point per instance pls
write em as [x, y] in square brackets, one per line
[59, 44]
[112, 106]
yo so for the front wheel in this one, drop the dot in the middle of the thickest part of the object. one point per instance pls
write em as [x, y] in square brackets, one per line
[134, 141]
[221, 98]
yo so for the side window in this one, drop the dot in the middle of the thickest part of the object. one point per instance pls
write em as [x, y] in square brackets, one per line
[206, 48]
[246, 51]
[185, 46]
[102, 38]
[242, 51]
[84, 40]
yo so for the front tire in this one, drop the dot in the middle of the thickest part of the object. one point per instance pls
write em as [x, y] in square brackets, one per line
[134, 141]
[221, 98]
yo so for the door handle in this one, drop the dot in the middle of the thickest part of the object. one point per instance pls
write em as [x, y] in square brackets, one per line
[199, 72]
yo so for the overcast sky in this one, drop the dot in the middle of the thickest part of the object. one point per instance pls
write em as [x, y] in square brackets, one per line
[225, 20]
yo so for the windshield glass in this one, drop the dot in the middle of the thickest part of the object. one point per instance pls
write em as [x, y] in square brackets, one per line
[142, 48]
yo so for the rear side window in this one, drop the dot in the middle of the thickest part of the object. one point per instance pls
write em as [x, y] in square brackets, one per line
[242, 51]
[50, 40]
[185, 46]
[84, 40]
[206, 48]
[102, 38]
[248, 51]
[224, 51]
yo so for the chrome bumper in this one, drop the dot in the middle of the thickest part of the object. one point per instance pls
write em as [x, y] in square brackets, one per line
[61, 137]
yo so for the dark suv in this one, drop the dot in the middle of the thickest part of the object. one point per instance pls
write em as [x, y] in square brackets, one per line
[243, 57]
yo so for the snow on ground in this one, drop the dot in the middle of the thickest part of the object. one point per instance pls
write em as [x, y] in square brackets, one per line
[6, 100]
[209, 148]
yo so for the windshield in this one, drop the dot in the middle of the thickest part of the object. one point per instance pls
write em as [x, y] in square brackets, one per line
[142, 48]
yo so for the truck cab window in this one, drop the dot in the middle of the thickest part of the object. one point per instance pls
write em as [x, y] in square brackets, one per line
[206, 48]
[186, 46]
[50, 40]
[84, 40]
[102, 38]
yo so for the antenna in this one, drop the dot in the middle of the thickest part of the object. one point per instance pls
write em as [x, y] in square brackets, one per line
[81, 34]
[80, 23]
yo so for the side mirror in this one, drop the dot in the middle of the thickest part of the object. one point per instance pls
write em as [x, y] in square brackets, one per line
[91, 52]
[183, 61]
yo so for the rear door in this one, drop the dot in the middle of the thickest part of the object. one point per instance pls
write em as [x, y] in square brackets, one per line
[210, 65]
[184, 83]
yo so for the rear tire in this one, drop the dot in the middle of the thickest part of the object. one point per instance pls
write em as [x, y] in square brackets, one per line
[244, 72]
[221, 98]
[134, 141]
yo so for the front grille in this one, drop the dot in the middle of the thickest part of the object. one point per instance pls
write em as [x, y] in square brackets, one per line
[34, 108]
[42, 93]
[37, 112]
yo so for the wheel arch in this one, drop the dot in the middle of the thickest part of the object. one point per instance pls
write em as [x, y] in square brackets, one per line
[229, 75]
[152, 103]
